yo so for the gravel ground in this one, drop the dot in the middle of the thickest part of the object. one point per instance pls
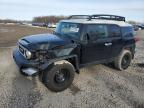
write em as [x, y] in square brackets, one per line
[98, 86]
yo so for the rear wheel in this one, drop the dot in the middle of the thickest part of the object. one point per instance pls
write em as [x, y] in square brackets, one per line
[124, 60]
[60, 76]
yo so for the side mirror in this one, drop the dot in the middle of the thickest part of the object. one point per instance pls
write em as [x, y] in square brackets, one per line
[86, 37]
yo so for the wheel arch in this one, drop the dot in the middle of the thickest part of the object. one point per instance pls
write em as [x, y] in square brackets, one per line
[73, 59]
[130, 48]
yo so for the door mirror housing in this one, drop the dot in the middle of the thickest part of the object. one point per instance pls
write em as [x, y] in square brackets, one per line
[86, 37]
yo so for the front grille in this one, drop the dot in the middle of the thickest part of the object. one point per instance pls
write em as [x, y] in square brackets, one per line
[22, 50]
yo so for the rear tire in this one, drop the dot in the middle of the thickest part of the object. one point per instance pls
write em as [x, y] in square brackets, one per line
[59, 77]
[124, 60]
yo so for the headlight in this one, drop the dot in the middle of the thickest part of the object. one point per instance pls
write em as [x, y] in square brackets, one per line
[28, 54]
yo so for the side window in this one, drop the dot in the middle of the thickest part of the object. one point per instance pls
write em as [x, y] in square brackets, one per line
[97, 31]
[114, 31]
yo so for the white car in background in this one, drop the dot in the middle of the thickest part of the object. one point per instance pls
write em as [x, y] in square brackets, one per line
[52, 25]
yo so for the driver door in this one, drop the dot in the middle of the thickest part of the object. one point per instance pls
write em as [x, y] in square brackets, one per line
[98, 46]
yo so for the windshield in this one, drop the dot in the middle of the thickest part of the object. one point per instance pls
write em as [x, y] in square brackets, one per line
[68, 29]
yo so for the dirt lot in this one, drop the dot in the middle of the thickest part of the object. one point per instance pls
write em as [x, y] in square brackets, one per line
[99, 86]
[9, 34]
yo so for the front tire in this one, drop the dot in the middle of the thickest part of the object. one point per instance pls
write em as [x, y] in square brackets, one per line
[60, 76]
[124, 60]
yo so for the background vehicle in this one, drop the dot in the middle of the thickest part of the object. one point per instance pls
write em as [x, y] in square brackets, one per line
[78, 41]
[52, 25]
[141, 26]
[39, 24]
[136, 27]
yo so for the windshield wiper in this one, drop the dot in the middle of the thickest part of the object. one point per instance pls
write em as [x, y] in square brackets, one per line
[70, 38]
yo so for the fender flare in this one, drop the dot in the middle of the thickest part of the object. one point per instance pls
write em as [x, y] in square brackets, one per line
[50, 62]
[131, 48]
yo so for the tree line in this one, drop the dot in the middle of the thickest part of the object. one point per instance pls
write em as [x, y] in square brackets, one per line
[8, 21]
[38, 19]
[45, 19]
[48, 19]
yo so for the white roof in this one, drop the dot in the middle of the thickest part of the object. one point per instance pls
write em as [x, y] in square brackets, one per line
[97, 21]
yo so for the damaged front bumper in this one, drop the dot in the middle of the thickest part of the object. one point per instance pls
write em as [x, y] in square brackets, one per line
[28, 67]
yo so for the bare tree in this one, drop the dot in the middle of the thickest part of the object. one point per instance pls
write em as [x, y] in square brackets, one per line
[48, 19]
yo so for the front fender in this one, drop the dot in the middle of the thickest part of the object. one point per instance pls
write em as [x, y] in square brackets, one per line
[50, 62]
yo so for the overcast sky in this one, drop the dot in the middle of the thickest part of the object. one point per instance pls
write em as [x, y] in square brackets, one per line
[27, 9]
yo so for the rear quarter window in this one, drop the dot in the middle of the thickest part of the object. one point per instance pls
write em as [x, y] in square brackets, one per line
[114, 31]
[128, 31]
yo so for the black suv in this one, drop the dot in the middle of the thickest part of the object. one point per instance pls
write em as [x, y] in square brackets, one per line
[77, 42]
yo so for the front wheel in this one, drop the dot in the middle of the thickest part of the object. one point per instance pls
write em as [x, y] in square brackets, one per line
[60, 76]
[124, 60]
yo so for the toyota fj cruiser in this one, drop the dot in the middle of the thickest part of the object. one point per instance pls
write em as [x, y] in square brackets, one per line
[77, 41]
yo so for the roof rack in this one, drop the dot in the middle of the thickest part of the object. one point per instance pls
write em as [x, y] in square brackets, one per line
[98, 16]
[107, 17]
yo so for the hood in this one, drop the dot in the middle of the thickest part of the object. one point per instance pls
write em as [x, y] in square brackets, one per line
[42, 38]
[43, 41]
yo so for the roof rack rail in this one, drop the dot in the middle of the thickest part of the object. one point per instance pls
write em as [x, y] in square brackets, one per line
[79, 17]
[107, 17]
[98, 16]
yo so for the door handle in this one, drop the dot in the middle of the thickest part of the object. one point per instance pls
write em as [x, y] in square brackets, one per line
[108, 44]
